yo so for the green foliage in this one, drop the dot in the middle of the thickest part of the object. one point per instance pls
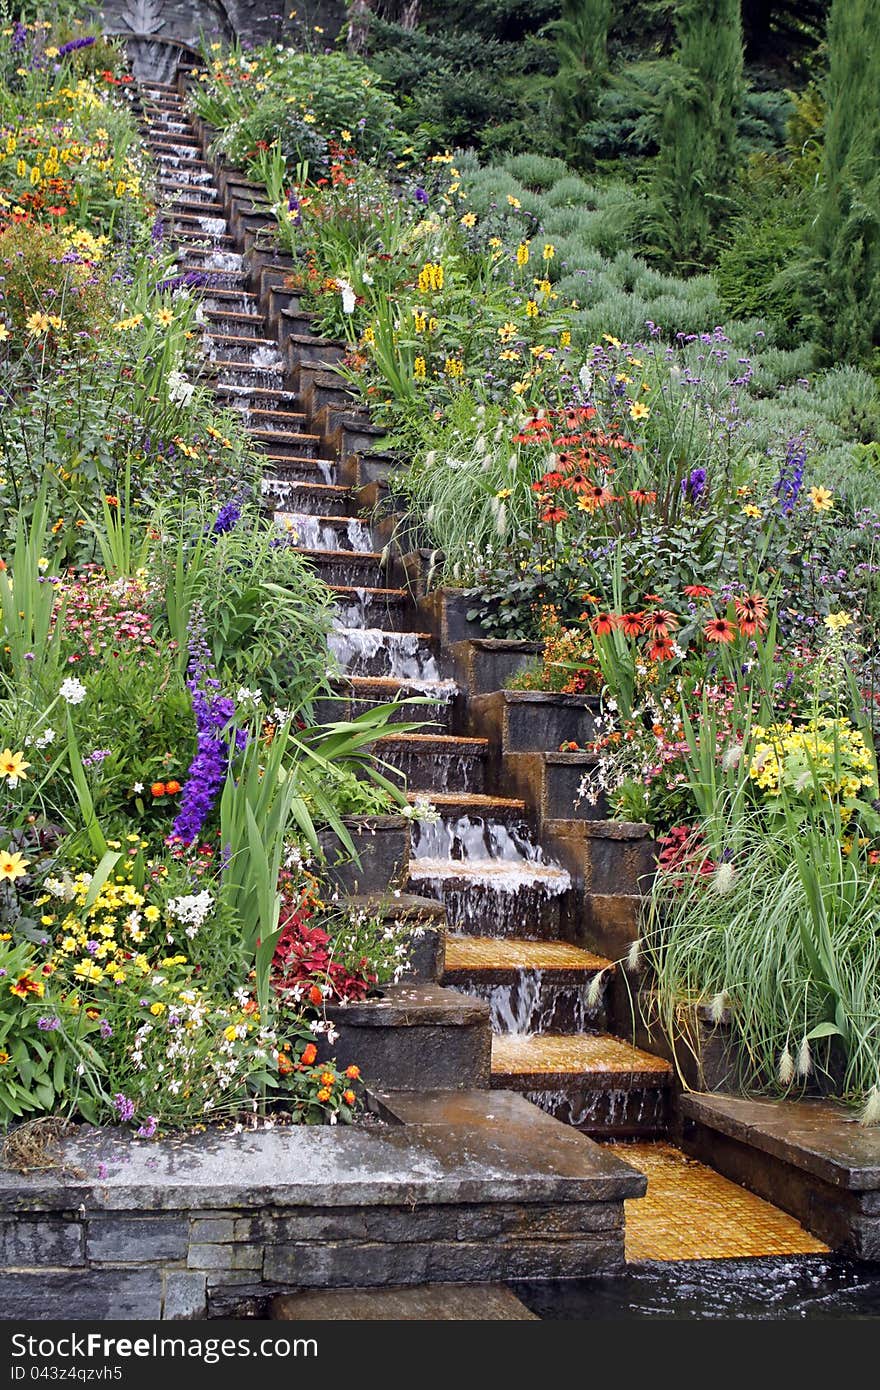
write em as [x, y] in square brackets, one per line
[697, 163]
[582, 44]
[846, 241]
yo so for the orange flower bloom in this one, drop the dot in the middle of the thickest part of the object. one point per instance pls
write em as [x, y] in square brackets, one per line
[172, 788]
[752, 614]
[603, 623]
[719, 630]
[661, 649]
[157, 789]
[315, 996]
[349, 1097]
[323, 1094]
[353, 1073]
[310, 1052]
[632, 624]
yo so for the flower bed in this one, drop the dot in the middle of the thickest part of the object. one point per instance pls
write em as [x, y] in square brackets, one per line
[168, 946]
[688, 550]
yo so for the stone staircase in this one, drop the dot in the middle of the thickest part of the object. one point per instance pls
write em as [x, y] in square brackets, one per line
[538, 901]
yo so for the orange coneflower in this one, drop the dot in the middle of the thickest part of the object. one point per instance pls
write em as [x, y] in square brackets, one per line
[719, 630]
[698, 591]
[603, 623]
[752, 614]
[632, 624]
[641, 497]
[661, 649]
[659, 622]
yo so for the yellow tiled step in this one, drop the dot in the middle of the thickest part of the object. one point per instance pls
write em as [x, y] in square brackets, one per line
[471, 801]
[503, 955]
[690, 1212]
[550, 1056]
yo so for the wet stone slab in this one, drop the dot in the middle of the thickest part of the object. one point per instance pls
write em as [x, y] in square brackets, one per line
[453, 1187]
[812, 1158]
[421, 1303]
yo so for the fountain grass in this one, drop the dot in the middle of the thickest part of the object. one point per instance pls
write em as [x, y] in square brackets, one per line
[786, 945]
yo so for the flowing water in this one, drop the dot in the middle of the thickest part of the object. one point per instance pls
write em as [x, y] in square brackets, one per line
[760, 1290]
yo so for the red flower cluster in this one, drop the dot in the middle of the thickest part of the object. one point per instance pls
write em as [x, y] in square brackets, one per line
[303, 962]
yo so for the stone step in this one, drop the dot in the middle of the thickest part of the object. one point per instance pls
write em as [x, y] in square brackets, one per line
[416, 1303]
[350, 567]
[213, 241]
[358, 694]
[691, 1212]
[231, 349]
[365, 649]
[498, 960]
[492, 896]
[530, 986]
[285, 444]
[328, 533]
[311, 497]
[600, 1084]
[248, 325]
[435, 760]
[364, 606]
[244, 300]
[469, 1186]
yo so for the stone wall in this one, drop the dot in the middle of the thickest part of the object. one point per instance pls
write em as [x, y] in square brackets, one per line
[477, 1187]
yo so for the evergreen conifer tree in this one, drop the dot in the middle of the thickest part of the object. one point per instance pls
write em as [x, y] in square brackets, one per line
[582, 45]
[697, 163]
[847, 228]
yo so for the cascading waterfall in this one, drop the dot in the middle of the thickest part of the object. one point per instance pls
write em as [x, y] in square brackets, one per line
[313, 533]
[370, 651]
[491, 877]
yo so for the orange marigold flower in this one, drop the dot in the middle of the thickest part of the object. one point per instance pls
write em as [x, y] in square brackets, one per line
[172, 788]
[157, 789]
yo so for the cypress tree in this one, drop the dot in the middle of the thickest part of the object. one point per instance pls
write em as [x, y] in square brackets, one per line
[847, 228]
[697, 163]
[582, 45]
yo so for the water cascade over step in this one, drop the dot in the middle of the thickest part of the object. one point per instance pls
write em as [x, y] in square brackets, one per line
[502, 893]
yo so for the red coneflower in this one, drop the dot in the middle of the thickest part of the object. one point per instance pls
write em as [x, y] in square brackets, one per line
[752, 614]
[603, 623]
[641, 497]
[698, 591]
[719, 630]
[661, 649]
[553, 515]
[659, 622]
[632, 624]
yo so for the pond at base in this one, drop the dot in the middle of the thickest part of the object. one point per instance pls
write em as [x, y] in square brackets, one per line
[758, 1290]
